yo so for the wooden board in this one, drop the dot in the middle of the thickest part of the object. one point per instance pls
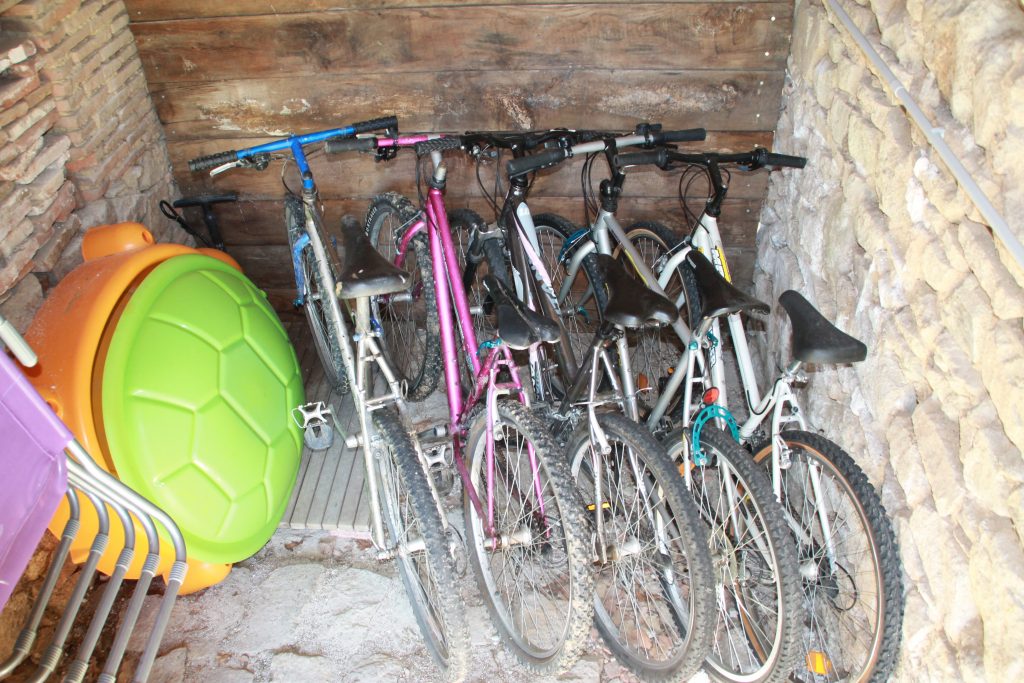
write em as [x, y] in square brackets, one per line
[483, 38]
[161, 10]
[467, 100]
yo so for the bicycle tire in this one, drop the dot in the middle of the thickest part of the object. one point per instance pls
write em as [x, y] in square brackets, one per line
[684, 621]
[325, 341]
[832, 602]
[556, 552]
[656, 350]
[411, 330]
[757, 628]
[493, 259]
[428, 574]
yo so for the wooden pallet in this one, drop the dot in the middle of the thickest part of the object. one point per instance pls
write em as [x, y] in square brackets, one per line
[329, 491]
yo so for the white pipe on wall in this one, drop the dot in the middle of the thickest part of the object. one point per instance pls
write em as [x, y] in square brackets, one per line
[999, 225]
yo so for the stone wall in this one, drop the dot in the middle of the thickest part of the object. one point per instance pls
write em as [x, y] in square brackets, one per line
[877, 234]
[80, 143]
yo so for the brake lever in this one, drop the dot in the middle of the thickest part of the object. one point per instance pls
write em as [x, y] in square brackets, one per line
[257, 161]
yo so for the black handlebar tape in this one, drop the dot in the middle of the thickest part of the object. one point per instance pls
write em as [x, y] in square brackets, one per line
[772, 159]
[690, 135]
[383, 123]
[437, 145]
[338, 145]
[212, 161]
[550, 157]
[656, 157]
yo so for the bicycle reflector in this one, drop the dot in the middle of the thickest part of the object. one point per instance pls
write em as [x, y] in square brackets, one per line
[710, 396]
[819, 663]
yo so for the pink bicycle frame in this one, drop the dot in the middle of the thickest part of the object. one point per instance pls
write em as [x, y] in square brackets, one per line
[448, 290]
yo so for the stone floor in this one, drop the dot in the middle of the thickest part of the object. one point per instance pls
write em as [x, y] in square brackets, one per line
[313, 606]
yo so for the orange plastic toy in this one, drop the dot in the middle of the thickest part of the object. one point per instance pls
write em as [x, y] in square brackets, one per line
[71, 334]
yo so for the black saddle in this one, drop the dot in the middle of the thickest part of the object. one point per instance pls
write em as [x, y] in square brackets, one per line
[518, 326]
[631, 303]
[717, 295]
[364, 272]
[815, 339]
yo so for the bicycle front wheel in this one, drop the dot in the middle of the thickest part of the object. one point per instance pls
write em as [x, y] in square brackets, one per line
[408, 319]
[531, 560]
[416, 536]
[315, 304]
[654, 595]
[848, 561]
[757, 627]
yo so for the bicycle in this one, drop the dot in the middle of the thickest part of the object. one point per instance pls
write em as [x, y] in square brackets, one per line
[522, 515]
[816, 480]
[613, 456]
[408, 524]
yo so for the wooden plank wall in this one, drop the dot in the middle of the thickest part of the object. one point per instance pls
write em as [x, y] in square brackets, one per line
[229, 75]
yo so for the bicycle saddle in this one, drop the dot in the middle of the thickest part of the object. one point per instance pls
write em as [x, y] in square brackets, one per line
[815, 339]
[364, 272]
[518, 326]
[631, 303]
[717, 295]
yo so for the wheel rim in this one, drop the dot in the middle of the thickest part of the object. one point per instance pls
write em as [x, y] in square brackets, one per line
[528, 584]
[748, 628]
[579, 309]
[402, 316]
[643, 601]
[402, 526]
[843, 596]
[319, 323]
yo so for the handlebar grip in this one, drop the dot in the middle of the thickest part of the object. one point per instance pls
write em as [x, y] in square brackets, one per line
[212, 161]
[438, 145]
[772, 159]
[656, 157]
[523, 165]
[690, 135]
[382, 123]
[338, 145]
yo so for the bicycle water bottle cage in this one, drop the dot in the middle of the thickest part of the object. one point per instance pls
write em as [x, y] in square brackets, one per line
[708, 413]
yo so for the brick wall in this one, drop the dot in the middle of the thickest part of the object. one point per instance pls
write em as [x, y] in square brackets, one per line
[80, 146]
[877, 234]
[80, 143]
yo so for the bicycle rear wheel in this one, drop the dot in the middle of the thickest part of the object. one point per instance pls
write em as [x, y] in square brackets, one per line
[757, 628]
[416, 534]
[325, 341]
[409, 319]
[851, 575]
[533, 564]
[654, 600]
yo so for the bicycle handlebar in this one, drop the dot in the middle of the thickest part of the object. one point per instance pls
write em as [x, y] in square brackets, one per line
[551, 157]
[220, 158]
[757, 158]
